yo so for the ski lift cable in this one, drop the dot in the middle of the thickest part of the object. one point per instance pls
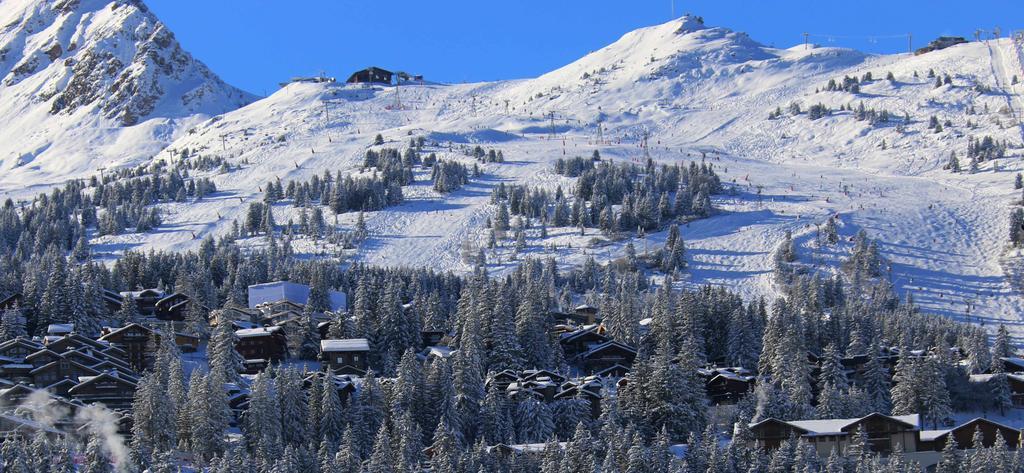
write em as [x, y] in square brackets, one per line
[867, 37]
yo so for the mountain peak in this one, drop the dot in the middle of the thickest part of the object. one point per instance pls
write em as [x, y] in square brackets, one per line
[113, 56]
[89, 83]
[689, 23]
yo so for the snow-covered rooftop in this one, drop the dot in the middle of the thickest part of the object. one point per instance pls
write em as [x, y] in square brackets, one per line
[348, 344]
[256, 332]
[60, 329]
[835, 426]
[288, 291]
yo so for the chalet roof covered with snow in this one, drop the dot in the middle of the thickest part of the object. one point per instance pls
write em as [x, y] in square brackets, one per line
[349, 344]
[60, 329]
[1015, 361]
[256, 332]
[985, 377]
[288, 291]
[839, 426]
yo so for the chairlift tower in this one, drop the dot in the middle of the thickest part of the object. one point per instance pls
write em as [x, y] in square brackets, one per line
[644, 145]
[398, 97]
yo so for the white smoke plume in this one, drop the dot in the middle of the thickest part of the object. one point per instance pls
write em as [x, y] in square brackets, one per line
[103, 422]
[43, 408]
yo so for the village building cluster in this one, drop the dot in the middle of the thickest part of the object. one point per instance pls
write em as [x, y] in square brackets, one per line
[67, 369]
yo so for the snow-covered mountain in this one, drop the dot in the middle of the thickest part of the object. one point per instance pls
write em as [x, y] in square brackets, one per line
[91, 83]
[696, 91]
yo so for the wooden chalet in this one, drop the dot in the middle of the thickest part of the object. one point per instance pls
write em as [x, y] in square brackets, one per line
[502, 379]
[582, 340]
[268, 344]
[936, 440]
[134, 340]
[542, 388]
[19, 348]
[528, 375]
[280, 315]
[884, 433]
[233, 315]
[112, 299]
[726, 386]
[152, 303]
[145, 300]
[172, 307]
[585, 314]
[371, 75]
[344, 384]
[606, 355]
[348, 356]
[61, 388]
[588, 389]
[57, 407]
[74, 341]
[16, 372]
[1013, 364]
[56, 369]
[615, 371]
[14, 427]
[432, 338]
[14, 395]
[1015, 380]
[108, 388]
[13, 301]
[138, 343]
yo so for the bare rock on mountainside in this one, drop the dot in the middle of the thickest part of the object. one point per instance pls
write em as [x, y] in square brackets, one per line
[91, 68]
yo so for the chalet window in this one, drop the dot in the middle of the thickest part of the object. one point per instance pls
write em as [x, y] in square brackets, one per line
[355, 357]
[340, 360]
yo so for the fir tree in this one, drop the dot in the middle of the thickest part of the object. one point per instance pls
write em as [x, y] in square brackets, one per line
[12, 324]
[96, 456]
[579, 452]
[382, 460]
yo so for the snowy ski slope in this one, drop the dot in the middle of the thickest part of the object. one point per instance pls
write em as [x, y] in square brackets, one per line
[694, 90]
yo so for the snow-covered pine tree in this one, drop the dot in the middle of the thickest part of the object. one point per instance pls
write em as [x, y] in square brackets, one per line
[261, 422]
[495, 423]
[332, 416]
[446, 449]
[224, 359]
[128, 312]
[12, 324]
[999, 388]
[534, 421]
[877, 384]
[369, 413]
[97, 459]
[347, 460]
[293, 404]
[531, 329]
[383, 459]
[579, 452]
[1002, 347]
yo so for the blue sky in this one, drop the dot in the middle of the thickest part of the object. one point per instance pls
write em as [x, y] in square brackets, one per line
[254, 44]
